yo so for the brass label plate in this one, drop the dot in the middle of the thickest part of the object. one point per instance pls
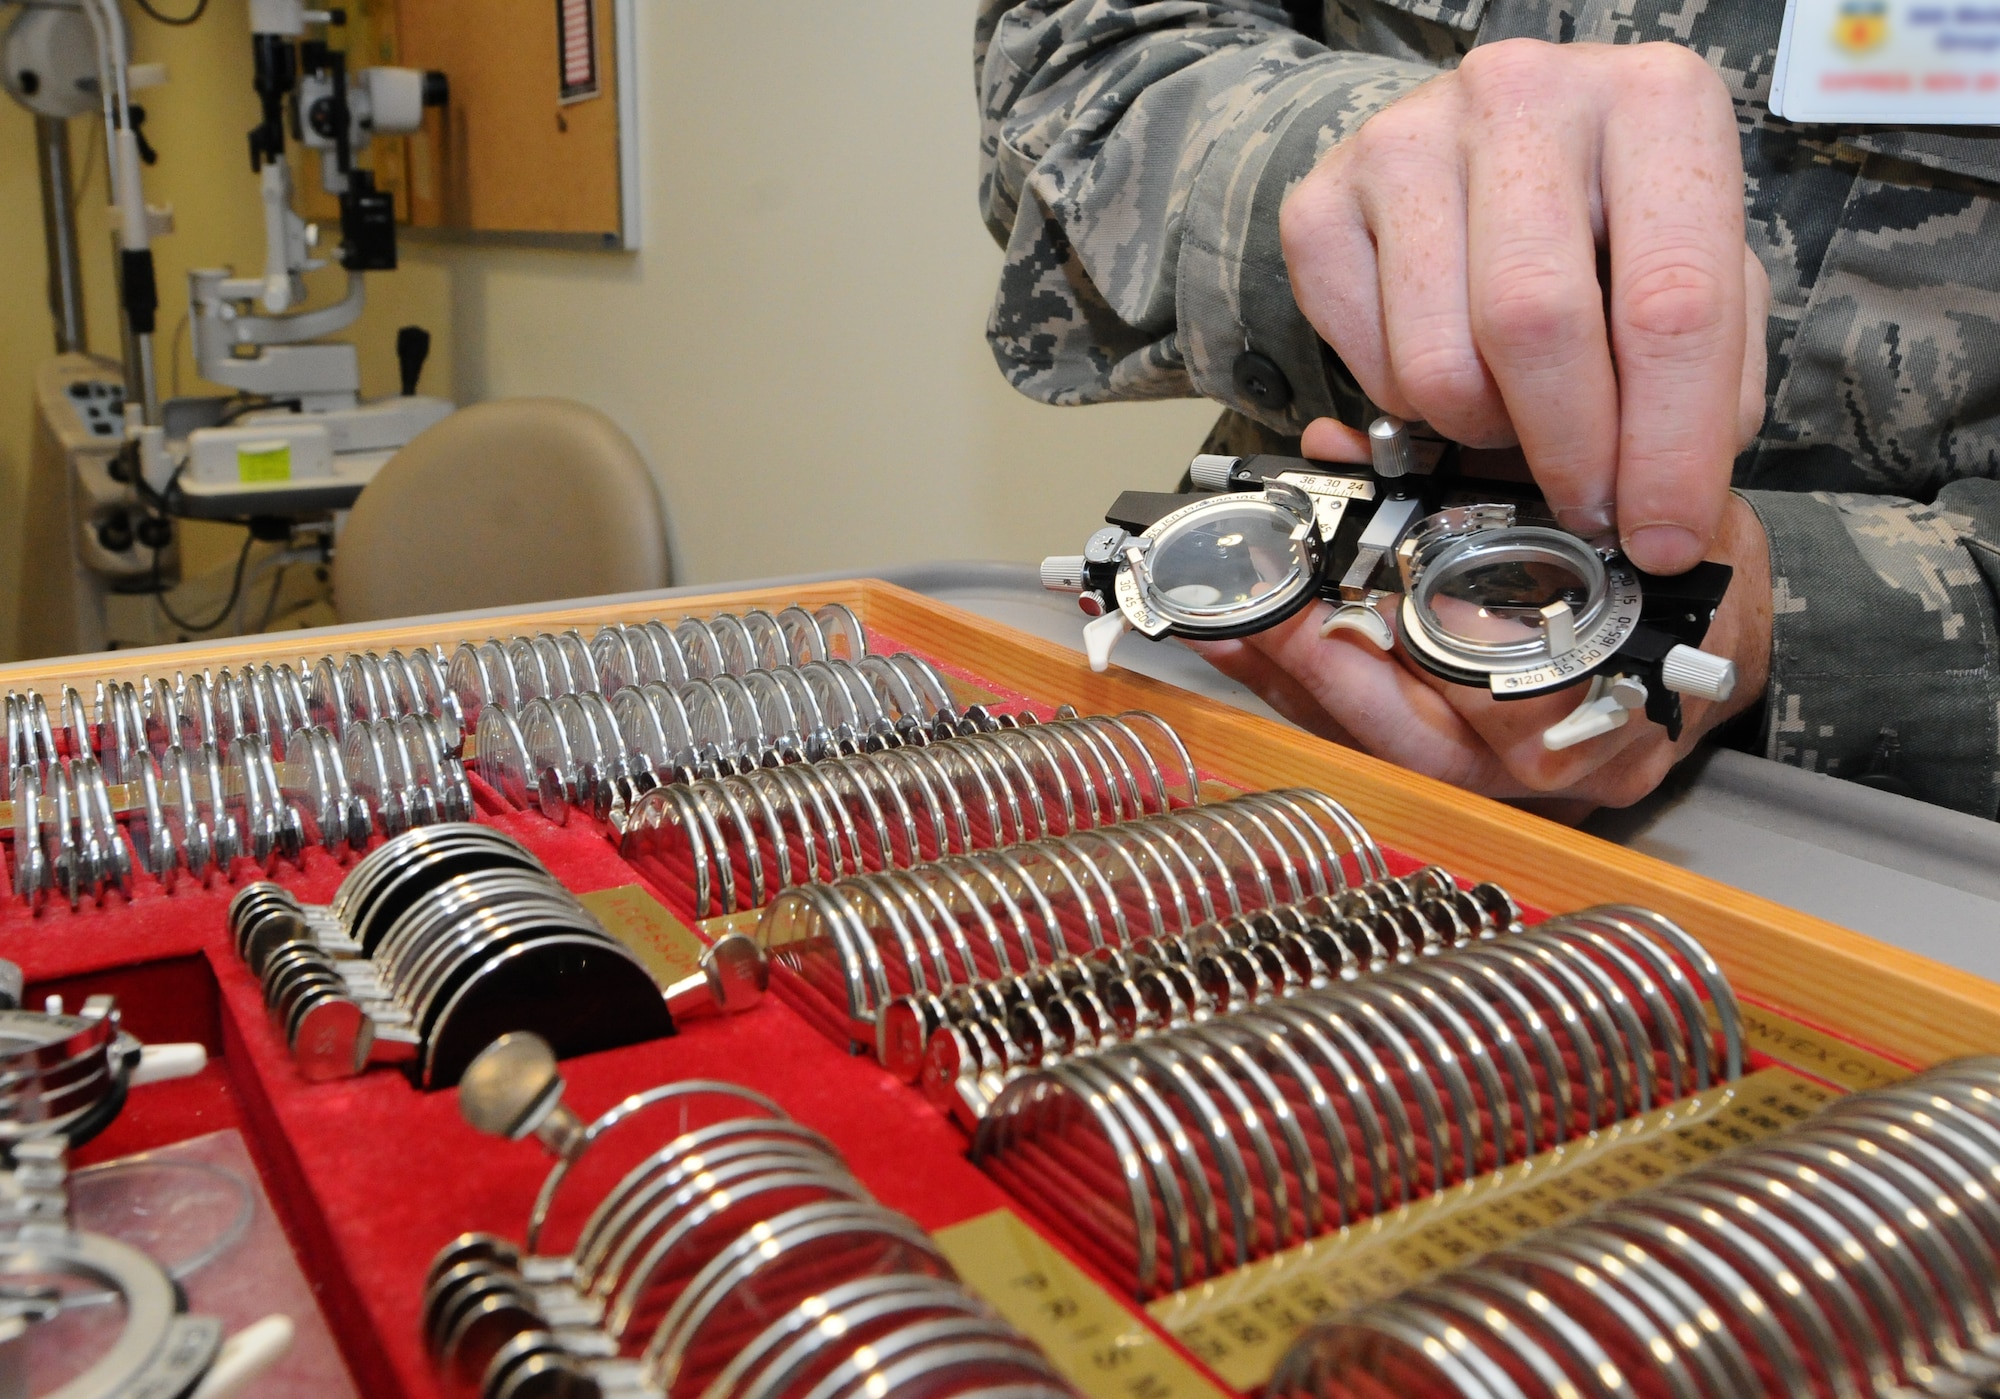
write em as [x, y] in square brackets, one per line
[667, 947]
[1100, 1346]
[1816, 1052]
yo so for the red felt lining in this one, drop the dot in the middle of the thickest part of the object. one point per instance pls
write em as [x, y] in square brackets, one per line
[372, 1176]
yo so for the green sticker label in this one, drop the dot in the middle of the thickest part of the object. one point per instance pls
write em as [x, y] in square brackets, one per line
[264, 461]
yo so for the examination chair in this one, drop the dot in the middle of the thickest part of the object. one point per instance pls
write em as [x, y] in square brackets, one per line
[519, 500]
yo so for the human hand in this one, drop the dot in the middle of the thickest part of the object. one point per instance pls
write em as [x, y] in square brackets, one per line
[1344, 689]
[1450, 251]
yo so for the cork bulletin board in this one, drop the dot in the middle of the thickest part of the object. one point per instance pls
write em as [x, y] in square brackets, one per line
[539, 137]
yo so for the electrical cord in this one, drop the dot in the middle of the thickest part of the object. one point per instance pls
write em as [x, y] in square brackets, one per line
[235, 591]
[271, 602]
[258, 405]
[177, 21]
[158, 502]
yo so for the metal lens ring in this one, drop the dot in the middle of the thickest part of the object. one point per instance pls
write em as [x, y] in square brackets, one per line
[1224, 566]
[865, 812]
[671, 1167]
[1017, 908]
[1450, 1060]
[771, 1269]
[692, 1106]
[1843, 1256]
[158, 1349]
[32, 875]
[792, 1350]
[1519, 608]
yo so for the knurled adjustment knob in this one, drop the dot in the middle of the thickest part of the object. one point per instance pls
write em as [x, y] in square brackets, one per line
[1389, 447]
[1688, 671]
[1063, 573]
[1211, 472]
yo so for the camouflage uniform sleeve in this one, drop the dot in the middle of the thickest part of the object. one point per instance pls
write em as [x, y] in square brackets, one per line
[1134, 154]
[1883, 649]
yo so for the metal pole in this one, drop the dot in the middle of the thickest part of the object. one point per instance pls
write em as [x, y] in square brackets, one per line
[59, 234]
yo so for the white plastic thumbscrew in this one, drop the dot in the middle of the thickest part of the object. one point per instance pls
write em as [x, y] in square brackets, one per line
[1607, 706]
[246, 1355]
[160, 1062]
[1585, 722]
[1690, 672]
[1100, 634]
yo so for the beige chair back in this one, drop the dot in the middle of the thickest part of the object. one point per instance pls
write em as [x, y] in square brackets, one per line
[518, 500]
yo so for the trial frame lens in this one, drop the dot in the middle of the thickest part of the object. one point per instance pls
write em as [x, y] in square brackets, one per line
[1229, 562]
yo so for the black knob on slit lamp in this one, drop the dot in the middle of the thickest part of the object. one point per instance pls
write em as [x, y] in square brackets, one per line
[413, 347]
[135, 117]
[114, 533]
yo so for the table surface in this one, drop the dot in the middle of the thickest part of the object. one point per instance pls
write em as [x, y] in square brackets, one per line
[1898, 870]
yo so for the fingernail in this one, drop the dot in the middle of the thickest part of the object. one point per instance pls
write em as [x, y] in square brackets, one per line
[1591, 522]
[1664, 548]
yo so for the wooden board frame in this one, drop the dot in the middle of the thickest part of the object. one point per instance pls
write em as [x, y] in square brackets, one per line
[1878, 996]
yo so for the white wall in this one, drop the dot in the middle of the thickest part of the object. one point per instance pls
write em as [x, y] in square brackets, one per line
[798, 348]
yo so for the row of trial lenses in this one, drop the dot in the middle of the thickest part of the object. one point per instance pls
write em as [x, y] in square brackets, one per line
[741, 1259]
[66, 840]
[602, 754]
[376, 890]
[196, 811]
[898, 807]
[177, 804]
[216, 708]
[1855, 1254]
[513, 671]
[273, 700]
[444, 909]
[965, 1046]
[387, 776]
[131, 741]
[27, 734]
[860, 942]
[185, 811]
[275, 934]
[1173, 1158]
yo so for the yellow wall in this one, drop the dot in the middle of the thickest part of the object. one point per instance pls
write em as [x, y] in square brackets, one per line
[797, 349]
[198, 123]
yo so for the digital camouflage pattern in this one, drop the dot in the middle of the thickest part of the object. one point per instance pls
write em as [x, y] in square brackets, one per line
[1134, 155]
